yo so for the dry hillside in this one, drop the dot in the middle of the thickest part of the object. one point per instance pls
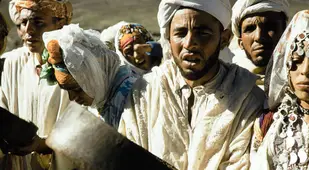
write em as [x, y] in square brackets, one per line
[99, 14]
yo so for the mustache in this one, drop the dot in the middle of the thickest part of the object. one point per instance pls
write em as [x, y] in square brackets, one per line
[26, 37]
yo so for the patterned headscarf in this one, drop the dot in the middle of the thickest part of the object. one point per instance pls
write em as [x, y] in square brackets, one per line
[294, 39]
[128, 32]
[60, 8]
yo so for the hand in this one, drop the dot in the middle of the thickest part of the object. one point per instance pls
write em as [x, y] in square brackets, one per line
[54, 51]
[140, 51]
[38, 145]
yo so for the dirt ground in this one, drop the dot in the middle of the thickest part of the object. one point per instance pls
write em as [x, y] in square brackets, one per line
[99, 14]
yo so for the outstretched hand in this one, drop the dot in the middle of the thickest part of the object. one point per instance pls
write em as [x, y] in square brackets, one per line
[37, 145]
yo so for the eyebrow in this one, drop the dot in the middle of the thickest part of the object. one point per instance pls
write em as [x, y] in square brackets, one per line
[201, 27]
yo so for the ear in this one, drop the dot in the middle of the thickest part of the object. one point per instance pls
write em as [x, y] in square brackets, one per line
[225, 38]
[240, 43]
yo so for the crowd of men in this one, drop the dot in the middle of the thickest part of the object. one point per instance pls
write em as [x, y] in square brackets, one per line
[179, 98]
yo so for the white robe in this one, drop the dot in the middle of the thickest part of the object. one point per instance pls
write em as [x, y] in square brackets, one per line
[224, 110]
[25, 95]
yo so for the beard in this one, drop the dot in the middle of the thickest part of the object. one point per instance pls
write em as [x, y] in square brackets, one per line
[195, 74]
[259, 63]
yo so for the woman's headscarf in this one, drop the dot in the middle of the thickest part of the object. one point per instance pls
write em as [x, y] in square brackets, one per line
[125, 35]
[87, 59]
[60, 8]
[279, 76]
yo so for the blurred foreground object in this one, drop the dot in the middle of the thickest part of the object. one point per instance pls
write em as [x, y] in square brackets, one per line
[92, 144]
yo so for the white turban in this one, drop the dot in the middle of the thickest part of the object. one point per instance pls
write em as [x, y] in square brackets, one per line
[245, 7]
[59, 8]
[15, 16]
[220, 9]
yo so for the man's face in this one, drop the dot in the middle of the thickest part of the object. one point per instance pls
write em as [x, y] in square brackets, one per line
[299, 75]
[195, 42]
[260, 34]
[32, 27]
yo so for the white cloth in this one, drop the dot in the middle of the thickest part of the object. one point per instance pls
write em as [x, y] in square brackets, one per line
[279, 73]
[15, 16]
[277, 95]
[245, 7]
[218, 137]
[88, 60]
[220, 9]
[108, 34]
[24, 94]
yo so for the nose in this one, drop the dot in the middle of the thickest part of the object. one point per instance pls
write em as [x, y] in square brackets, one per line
[305, 67]
[260, 35]
[190, 41]
[29, 27]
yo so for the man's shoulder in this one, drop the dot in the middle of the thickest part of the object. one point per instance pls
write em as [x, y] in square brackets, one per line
[14, 54]
[241, 82]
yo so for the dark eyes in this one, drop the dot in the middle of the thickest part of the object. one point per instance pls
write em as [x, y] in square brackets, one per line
[249, 28]
[203, 33]
[37, 23]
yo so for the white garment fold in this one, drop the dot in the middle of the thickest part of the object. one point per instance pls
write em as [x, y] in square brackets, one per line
[218, 137]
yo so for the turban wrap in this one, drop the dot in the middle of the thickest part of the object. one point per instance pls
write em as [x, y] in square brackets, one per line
[243, 8]
[60, 8]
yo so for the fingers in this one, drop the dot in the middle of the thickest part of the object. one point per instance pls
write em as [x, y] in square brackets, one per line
[142, 48]
[54, 51]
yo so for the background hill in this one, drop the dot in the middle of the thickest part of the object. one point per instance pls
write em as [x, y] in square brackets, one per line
[99, 14]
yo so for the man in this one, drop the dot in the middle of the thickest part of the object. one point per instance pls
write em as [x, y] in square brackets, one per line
[23, 92]
[194, 111]
[258, 25]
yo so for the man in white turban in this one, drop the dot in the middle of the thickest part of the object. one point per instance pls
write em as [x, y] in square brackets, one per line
[258, 25]
[23, 91]
[194, 111]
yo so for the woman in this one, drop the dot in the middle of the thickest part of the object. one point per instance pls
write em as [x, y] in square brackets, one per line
[135, 46]
[88, 70]
[286, 144]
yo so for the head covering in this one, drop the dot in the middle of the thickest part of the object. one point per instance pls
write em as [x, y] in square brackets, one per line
[60, 8]
[87, 59]
[220, 9]
[108, 34]
[281, 57]
[126, 35]
[243, 8]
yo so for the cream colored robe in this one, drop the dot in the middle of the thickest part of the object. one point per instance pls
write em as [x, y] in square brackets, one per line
[224, 110]
[30, 98]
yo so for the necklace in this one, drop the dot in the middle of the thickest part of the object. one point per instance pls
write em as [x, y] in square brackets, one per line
[303, 110]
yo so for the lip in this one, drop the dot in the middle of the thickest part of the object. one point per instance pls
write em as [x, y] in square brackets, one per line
[191, 59]
[303, 85]
[262, 48]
